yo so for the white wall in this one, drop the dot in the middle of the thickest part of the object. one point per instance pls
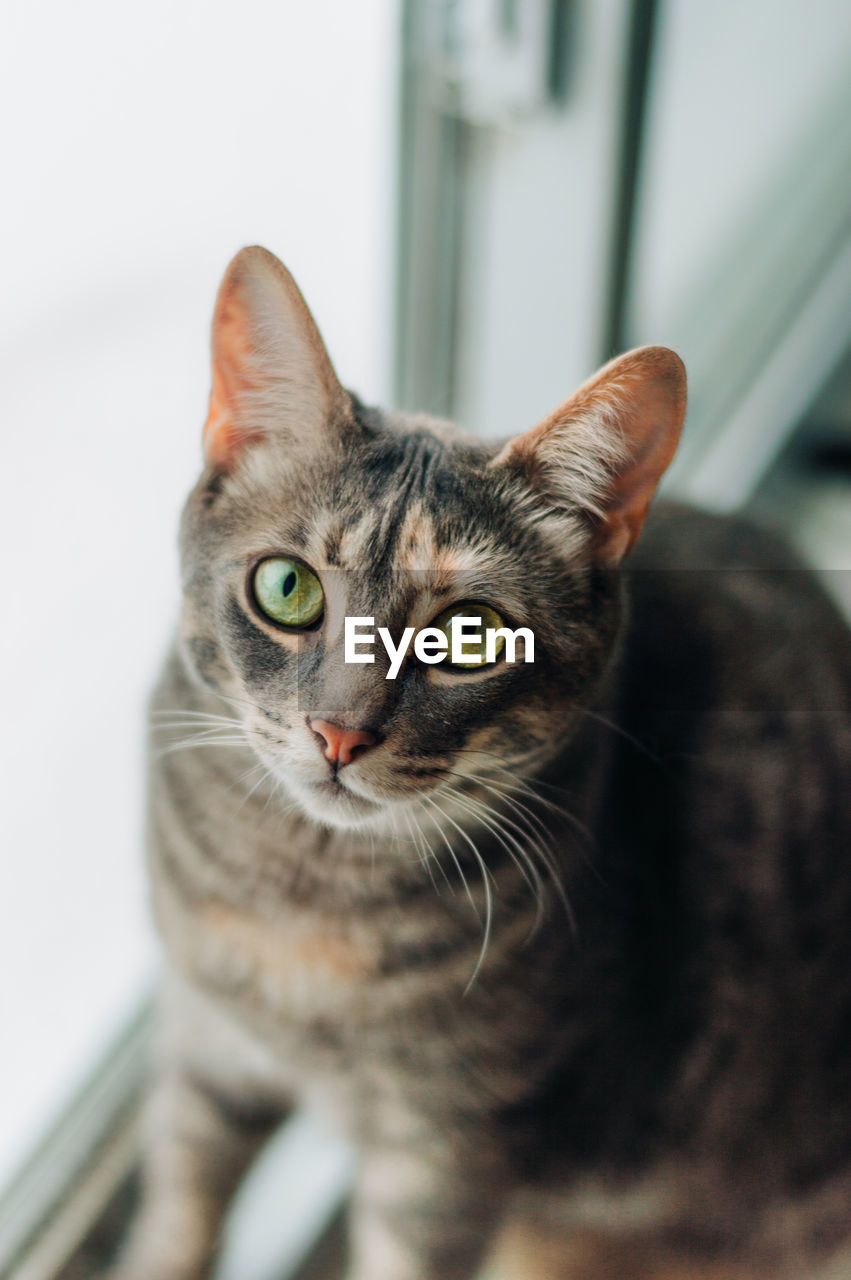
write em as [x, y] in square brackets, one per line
[143, 145]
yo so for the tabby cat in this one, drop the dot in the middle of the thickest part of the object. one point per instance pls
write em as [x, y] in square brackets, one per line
[563, 946]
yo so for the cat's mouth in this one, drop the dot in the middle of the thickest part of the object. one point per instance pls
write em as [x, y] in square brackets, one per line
[330, 800]
[336, 787]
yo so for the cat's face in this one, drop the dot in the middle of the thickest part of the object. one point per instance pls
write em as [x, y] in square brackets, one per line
[399, 525]
[312, 510]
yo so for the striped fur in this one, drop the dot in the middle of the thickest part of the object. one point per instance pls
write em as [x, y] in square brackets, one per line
[566, 953]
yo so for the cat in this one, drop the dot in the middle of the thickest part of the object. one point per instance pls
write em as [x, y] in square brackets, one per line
[563, 946]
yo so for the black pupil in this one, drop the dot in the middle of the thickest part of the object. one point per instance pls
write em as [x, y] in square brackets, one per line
[289, 582]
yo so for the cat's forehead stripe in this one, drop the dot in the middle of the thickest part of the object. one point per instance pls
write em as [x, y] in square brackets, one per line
[412, 545]
[416, 547]
[350, 535]
[387, 519]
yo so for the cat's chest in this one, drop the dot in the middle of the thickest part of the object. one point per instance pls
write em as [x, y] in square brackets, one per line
[291, 964]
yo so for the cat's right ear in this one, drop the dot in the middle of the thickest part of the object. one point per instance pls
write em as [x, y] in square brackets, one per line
[271, 373]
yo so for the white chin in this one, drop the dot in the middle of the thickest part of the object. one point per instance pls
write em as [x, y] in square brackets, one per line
[333, 804]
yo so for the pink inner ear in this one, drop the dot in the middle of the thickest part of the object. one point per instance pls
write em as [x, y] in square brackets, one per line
[655, 407]
[234, 374]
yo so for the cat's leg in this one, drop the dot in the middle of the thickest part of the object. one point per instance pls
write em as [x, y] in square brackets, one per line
[199, 1143]
[426, 1206]
[216, 1097]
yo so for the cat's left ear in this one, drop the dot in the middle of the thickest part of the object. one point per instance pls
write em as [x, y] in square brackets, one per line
[271, 373]
[604, 451]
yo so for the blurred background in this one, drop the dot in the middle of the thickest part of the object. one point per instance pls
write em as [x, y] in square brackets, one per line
[482, 200]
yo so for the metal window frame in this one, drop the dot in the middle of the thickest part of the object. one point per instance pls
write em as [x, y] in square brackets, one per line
[434, 201]
[77, 1169]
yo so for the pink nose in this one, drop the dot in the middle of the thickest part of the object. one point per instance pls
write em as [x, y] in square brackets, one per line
[340, 746]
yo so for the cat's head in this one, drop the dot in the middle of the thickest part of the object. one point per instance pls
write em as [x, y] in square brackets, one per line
[313, 509]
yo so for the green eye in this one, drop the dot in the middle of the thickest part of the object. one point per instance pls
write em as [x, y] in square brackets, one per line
[288, 592]
[474, 650]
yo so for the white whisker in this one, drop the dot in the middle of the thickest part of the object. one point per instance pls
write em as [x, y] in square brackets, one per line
[205, 739]
[421, 854]
[495, 823]
[434, 856]
[485, 874]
